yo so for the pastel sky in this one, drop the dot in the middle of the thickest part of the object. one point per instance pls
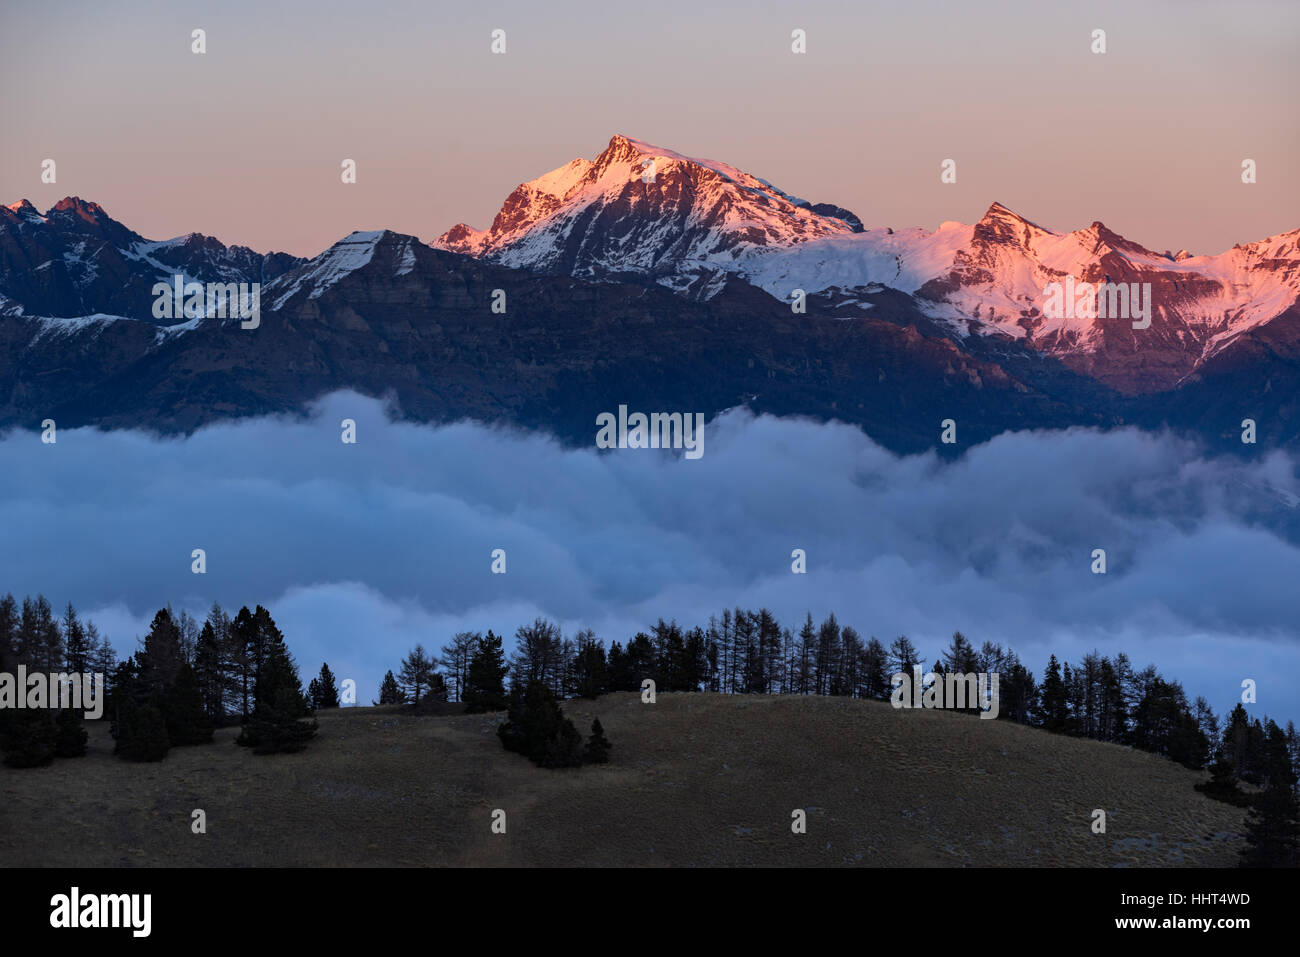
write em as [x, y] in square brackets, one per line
[245, 142]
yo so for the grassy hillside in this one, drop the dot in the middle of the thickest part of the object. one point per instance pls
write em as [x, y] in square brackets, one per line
[694, 780]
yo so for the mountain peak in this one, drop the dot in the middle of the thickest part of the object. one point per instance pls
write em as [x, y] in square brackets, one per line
[632, 146]
[633, 152]
[625, 149]
[1103, 237]
[1000, 225]
[639, 208]
[366, 237]
[999, 213]
[23, 210]
[354, 251]
[621, 142]
[90, 212]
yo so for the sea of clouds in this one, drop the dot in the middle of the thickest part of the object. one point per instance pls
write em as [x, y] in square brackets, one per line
[360, 551]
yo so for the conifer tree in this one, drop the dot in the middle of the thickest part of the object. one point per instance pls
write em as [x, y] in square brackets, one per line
[875, 670]
[8, 634]
[103, 659]
[1164, 723]
[329, 690]
[485, 688]
[903, 656]
[228, 657]
[1052, 707]
[1273, 822]
[188, 629]
[641, 661]
[76, 649]
[536, 727]
[670, 656]
[437, 688]
[30, 738]
[141, 732]
[538, 653]
[124, 686]
[589, 666]
[27, 636]
[694, 667]
[161, 657]
[960, 655]
[137, 721]
[183, 711]
[244, 645]
[564, 748]
[277, 724]
[1243, 745]
[390, 692]
[455, 660]
[619, 669]
[1222, 785]
[416, 674]
[511, 731]
[1018, 692]
[597, 751]
[48, 637]
[435, 695]
[70, 736]
[712, 659]
[209, 670]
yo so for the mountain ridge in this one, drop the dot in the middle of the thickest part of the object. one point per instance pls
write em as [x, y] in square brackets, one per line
[602, 218]
[676, 289]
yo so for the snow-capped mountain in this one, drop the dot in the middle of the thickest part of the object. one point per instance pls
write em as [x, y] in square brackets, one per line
[642, 209]
[75, 260]
[314, 276]
[696, 221]
[648, 277]
[1199, 304]
[387, 315]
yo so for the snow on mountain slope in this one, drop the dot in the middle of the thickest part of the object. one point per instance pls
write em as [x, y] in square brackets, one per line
[352, 252]
[903, 259]
[639, 208]
[25, 211]
[77, 261]
[1199, 303]
[697, 221]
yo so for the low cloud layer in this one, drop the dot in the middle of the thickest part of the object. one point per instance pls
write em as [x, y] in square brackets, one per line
[362, 550]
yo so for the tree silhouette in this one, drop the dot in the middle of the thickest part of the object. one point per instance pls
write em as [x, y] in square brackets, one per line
[598, 745]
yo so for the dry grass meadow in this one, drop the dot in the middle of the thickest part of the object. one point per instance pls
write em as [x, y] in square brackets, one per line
[694, 779]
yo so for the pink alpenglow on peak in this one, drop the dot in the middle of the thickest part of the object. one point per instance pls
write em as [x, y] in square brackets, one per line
[695, 222]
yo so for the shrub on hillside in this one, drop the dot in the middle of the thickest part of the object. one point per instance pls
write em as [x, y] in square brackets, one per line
[536, 727]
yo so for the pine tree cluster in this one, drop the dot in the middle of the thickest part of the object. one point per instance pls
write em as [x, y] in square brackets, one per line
[537, 728]
[184, 681]
[31, 635]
